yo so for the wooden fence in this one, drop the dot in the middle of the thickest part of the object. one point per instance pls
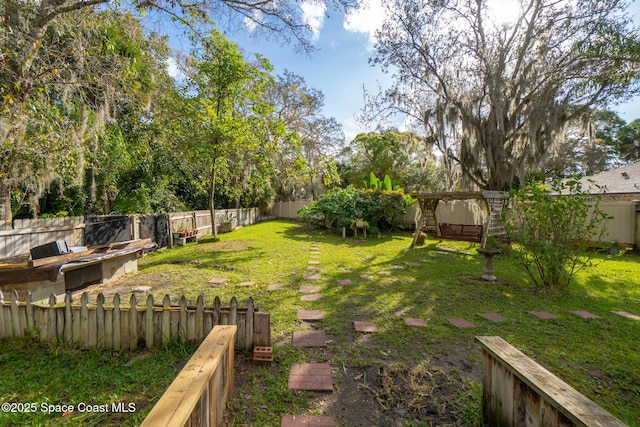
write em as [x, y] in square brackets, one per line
[129, 325]
[516, 391]
[198, 395]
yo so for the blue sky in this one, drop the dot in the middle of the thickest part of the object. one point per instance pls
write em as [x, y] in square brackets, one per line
[340, 68]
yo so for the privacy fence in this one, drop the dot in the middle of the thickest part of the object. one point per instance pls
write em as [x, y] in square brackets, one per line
[23, 234]
[130, 324]
[622, 227]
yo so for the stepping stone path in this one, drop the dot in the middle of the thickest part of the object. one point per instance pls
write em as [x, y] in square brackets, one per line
[367, 276]
[246, 284]
[311, 276]
[313, 268]
[461, 323]
[494, 317]
[384, 273]
[309, 339]
[397, 267]
[344, 282]
[409, 321]
[311, 297]
[314, 263]
[311, 377]
[218, 281]
[543, 315]
[309, 289]
[367, 327]
[307, 421]
[275, 287]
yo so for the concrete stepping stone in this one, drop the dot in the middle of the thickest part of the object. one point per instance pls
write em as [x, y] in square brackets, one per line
[310, 377]
[367, 276]
[311, 297]
[494, 317]
[275, 287]
[309, 339]
[218, 281]
[313, 262]
[384, 272]
[246, 284]
[410, 321]
[543, 315]
[310, 315]
[461, 323]
[307, 421]
[314, 256]
[309, 289]
[313, 268]
[344, 282]
[414, 264]
[397, 267]
[627, 315]
[368, 327]
[141, 289]
[585, 314]
[311, 276]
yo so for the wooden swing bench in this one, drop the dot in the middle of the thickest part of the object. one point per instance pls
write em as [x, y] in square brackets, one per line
[465, 232]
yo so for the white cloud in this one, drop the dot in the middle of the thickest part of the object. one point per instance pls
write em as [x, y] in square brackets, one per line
[173, 69]
[313, 14]
[367, 18]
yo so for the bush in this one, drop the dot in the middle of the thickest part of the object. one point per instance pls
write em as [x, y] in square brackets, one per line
[552, 232]
[381, 209]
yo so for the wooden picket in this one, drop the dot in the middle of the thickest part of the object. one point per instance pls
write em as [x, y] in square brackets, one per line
[129, 326]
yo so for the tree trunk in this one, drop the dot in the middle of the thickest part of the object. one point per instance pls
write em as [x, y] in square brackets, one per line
[212, 193]
[5, 203]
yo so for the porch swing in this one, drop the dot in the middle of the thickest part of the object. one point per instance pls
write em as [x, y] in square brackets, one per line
[426, 219]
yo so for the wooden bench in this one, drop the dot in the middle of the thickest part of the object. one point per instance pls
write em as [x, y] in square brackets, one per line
[465, 232]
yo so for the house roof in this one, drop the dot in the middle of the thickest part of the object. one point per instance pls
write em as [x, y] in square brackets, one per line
[625, 180]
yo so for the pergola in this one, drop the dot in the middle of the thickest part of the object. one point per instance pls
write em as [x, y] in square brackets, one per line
[426, 219]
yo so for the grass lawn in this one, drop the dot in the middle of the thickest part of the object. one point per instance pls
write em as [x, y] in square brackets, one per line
[402, 375]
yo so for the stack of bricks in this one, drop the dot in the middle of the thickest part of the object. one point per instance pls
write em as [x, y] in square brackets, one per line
[262, 355]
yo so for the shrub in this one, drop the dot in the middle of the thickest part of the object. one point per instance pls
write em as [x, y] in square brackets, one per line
[552, 230]
[339, 207]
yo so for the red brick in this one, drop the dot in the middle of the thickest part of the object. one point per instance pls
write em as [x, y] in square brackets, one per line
[262, 354]
[307, 421]
[543, 315]
[311, 377]
[415, 322]
[494, 317]
[585, 314]
[461, 323]
[365, 327]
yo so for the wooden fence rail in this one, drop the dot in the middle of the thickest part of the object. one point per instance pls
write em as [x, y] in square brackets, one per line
[128, 324]
[516, 391]
[198, 395]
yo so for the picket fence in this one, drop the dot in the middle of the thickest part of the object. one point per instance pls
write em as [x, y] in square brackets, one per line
[129, 325]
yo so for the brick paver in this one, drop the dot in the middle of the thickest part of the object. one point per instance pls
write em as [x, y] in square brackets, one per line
[311, 276]
[344, 282]
[309, 289]
[313, 268]
[461, 323]
[311, 297]
[309, 339]
[543, 315]
[585, 314]
[410, 321]
[365, 327]
[307, 421]
[494, 317]
[310, 376]
[310, 315]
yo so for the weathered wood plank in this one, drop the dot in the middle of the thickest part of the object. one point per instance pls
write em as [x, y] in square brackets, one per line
[133, 322]
[199, 320]
[182, 330]
[100, 335]
[180, 399]
[117, 320]
[68, 318]
[166, 319]
[556, 395]
[15, 317]
[84, 319]
[148, 336]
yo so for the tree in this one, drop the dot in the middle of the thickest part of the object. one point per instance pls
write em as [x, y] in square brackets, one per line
[46, 56]
[223, 109]
[320, 138]
[628, 141]
[402, 155]
[495, 96]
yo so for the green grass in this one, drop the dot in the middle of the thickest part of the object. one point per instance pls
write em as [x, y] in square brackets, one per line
[599, 357]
